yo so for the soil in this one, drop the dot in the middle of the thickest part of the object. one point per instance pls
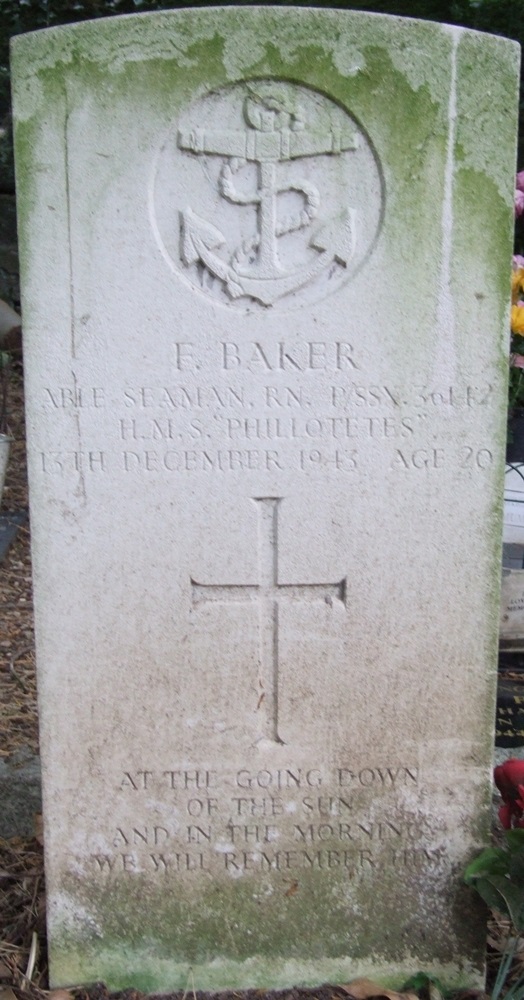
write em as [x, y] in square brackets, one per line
[23, 957]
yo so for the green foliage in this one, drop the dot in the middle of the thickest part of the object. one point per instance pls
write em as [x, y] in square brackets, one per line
[498, 876]
[421, 984]
[514, 991]
[516, 390]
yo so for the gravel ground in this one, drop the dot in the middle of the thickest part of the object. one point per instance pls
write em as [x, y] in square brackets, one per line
[18, 714]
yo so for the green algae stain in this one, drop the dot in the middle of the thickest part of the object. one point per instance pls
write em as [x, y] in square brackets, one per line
[105, 62]
[483, 232]
[261, 928]
[481, 282]
[487, 102]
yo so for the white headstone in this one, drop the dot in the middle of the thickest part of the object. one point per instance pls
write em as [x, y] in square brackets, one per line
[265, 263]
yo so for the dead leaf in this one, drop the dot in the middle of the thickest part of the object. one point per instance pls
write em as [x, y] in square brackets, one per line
[293, 888]
[5, 972]
[31, 962]
[6, 993]
[59, 995]
[434, 992]
[365, 989]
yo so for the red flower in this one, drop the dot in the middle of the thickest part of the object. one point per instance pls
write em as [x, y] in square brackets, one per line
[505, 817]
[509, 779]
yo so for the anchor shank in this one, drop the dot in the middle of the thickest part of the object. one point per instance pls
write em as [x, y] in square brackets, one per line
[267, 264]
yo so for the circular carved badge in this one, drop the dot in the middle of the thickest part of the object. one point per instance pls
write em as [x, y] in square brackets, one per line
[267, 194]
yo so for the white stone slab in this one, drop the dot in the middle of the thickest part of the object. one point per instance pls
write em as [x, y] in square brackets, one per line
[265, 263]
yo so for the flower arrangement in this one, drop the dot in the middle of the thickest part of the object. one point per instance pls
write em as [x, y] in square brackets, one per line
[509, 779]
[498, 876]
[516, 371]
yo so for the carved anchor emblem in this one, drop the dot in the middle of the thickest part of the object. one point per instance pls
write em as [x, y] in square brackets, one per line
[274, 135]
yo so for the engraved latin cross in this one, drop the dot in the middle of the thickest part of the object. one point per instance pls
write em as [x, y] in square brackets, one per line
[267, 594]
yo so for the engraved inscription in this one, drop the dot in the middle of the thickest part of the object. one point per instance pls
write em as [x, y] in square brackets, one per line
[187, 427]
[272, 820]
[238, 862]
[267, 594]
[283, 201]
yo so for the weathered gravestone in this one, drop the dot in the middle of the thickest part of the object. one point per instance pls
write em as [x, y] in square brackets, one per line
[265, 264]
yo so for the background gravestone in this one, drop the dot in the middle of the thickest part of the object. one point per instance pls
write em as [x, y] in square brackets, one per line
[265, 258]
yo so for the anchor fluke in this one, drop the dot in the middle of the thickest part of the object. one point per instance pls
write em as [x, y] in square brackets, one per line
[199, 239]
[337, 237]
[335, 241]
[198, 235]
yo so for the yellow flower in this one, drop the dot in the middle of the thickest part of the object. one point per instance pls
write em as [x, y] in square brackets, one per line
[517, 284]
[517, 319]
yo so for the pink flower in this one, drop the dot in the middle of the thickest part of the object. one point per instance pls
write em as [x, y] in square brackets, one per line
[520, 180]
[517, 361]
[518, 260]
[519, 202]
